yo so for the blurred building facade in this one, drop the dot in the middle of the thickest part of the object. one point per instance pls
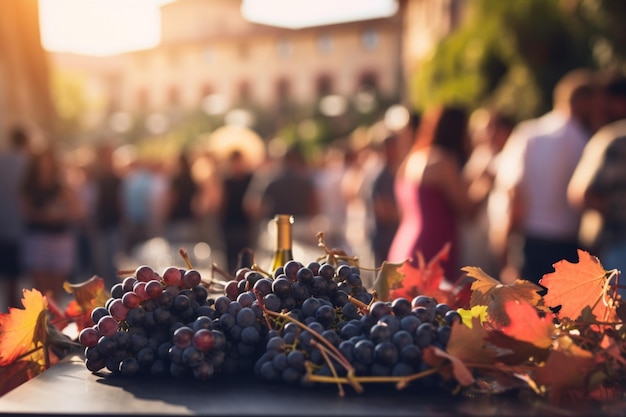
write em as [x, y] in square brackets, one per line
[211, 59]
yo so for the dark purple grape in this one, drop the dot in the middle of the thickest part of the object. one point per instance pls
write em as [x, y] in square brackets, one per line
[386, 353]
[263, 286]
[401, 307]
[379, 309]
[191, 278]
[282, 287]
[290, 269]
[327, 271]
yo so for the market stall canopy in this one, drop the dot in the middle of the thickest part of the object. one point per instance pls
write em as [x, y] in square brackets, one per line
[226, 139]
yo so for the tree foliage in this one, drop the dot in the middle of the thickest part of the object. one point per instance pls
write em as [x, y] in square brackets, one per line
[509, 55]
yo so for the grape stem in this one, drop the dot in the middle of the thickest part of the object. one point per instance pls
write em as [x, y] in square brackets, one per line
[256, 267]
[321, 340]
[185, 256]
[325, 353]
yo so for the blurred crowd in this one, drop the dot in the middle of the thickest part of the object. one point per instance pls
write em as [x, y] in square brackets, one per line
[510, 197]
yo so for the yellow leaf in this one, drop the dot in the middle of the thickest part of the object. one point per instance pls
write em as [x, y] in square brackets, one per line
[23, 330]
[477, 311]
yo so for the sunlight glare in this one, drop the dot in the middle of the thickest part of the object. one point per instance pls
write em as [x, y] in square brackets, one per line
[99, 27]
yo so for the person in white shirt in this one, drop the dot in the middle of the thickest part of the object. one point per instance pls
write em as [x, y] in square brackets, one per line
[535, 167]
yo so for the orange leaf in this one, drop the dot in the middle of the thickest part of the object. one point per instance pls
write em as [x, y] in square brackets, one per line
[575, 286]
[436, 357]
[514, 351]
[564, 374]
[468, 343]
[15, 374]
[526, 325]
[22, 330]
[494, 294]
[88, 295]
[425, 279]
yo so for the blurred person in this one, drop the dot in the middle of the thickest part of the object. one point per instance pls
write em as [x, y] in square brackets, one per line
[51, 210]
[490, 130]
[364, 162]
[537, 163]
[181, 203]
[431, 193]
[289, 189]
[328, 176]
[137, 189]
[13, 162]
[235, 223]
[599, 180]
[80, 179]
[107, 214]
[384, 205]
[285, 186]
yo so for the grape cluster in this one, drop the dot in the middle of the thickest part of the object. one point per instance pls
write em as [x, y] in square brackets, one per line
[315, 319]
[157, 325]
[385, 340]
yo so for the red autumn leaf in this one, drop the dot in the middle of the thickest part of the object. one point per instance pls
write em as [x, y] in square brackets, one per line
[407, 281]
[469, 344]
[15, 374]
[574, 286]
[513, 351]
[526, 325]
[23, 330]
[565, 375]
[494, 294]
[436, 357]
[87, 296]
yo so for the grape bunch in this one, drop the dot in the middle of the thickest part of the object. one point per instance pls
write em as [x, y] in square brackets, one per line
[159, 325]
[299, 324]
[382, 339]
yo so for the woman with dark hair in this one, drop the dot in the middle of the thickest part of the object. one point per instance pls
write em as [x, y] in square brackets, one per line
[431, 193]
[51, 210]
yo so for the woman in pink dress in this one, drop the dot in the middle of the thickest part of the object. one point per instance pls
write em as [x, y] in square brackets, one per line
[431, 193]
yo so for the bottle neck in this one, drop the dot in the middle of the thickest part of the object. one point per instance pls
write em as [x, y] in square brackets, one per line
[283, 232]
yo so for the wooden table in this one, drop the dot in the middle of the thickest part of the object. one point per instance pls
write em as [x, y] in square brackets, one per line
[68, 388]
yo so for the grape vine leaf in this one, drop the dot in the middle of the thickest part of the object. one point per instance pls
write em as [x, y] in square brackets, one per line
[494, 294]
[14, 375]
[574, 286]
[526, 325]
[513, 351]
[436, 358]
[88, 295]
[468, 315]
[407, 281]
[388, 277]
[564, 375]
[24, 330]
[469, 344]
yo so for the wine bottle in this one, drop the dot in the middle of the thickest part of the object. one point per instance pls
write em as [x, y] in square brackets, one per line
[283, 251]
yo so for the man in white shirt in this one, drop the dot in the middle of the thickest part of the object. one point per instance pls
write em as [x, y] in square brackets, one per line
[535, 168]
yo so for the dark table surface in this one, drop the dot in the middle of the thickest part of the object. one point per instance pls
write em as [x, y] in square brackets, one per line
[68, 388]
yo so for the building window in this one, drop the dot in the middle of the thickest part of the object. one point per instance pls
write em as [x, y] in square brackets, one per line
[244, 91]
[173, 96]
[369, 39]
[324, 85]
[282, 90]
[143, 99]
[283, 48]
[206, 90]
[325, 43]
[368, 80]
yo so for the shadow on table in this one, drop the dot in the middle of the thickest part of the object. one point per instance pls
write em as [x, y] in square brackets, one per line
[248, 396]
